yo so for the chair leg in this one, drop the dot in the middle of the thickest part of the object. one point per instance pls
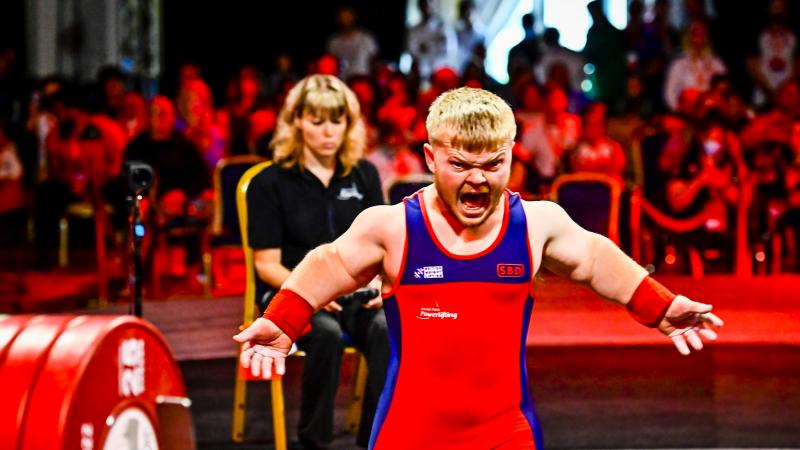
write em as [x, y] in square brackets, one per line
[207, 282]
[278, 412]
[791, 248]
[696, 262]
[157, 266]
[239, 406]
[63, 242]
[777, 253]
[102, 259]
[353, 415]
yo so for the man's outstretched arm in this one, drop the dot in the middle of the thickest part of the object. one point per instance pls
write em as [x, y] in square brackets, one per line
[326, 272]
[594, 260]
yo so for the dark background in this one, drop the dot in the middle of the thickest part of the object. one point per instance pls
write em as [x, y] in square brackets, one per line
[222, 38]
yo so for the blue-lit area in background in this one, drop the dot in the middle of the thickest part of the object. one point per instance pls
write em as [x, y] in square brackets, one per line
[570, 17]
[617, 13]
[509, 36]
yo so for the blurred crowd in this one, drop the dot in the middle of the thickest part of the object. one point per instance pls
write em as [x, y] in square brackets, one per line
[648, 94]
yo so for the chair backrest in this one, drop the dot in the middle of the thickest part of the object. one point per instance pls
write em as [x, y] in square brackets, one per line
[401, 187]
[226, 179]
[250, 267]
[592, 200]
[645, 153]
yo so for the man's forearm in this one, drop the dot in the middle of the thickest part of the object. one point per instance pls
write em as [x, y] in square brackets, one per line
[614, 275]
[322, 277]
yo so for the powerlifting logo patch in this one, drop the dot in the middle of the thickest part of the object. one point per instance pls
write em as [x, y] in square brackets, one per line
[436, 313]
[428, 272]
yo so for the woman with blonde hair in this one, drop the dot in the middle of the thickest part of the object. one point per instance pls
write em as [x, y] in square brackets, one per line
[316, 187]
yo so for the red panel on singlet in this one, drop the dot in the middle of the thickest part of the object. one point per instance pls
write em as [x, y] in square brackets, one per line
[457, 326]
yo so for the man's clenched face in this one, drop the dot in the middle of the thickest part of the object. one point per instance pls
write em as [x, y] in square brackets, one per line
[470, 184]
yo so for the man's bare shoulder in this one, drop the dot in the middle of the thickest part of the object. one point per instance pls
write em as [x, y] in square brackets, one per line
[544, 215]
[382, 219]
[542, 209]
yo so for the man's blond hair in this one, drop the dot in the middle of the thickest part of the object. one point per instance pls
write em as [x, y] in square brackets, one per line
[323, 96]
[472, 119]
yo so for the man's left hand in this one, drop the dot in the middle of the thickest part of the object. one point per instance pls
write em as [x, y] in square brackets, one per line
[688, 323]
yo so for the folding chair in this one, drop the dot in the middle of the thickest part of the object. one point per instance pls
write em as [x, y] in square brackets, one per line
[353, 414]
[399, 188]
[592, 200]
[225, 249]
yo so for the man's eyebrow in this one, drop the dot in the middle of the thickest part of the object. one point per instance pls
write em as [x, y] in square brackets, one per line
[498, 156]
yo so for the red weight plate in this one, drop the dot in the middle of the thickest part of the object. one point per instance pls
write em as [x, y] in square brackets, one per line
[98, 364]
[25, 358]
[10, 326]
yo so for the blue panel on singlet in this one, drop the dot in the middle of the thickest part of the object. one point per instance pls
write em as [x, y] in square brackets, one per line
[508, 262]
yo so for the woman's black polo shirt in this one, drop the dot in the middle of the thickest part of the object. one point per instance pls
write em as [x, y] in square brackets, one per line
[292, 210]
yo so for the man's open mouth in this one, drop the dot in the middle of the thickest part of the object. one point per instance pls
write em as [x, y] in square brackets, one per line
[474, 200]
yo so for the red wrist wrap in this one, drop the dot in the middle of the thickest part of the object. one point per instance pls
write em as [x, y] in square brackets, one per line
[650, 302]
[290, 312]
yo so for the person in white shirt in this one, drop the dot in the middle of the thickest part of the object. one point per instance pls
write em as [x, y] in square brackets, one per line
[553, 52]
[775, 62]
[432, 43]
[469, 34]
[354, 47]
[695, 68]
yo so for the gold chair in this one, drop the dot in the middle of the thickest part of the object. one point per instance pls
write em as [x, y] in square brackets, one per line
[352, 416]
[396, 189]
[225, 231]
[86, 210]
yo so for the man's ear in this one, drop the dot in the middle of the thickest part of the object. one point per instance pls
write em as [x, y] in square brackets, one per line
[429, 161]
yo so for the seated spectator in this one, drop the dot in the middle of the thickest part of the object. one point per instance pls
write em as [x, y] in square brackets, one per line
[777, 123]
[261, 125]
[769, 165]
[695, 68]
[84, 154]
[244, 97]
[705, 179]
[311, 195]
[596, 152]
[775, 62]
[554, 53]
[198, 121]
[432, 43]
[354, 46]
[393, 157]
[181, 174]
[183, 181]
[133, 116]
[546, 139]
[111, 84]
[364, 89]
[12, 196]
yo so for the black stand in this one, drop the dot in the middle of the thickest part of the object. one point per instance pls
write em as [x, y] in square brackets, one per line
[137, 231]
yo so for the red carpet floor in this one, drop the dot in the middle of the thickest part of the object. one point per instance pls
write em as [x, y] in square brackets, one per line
[598, 379]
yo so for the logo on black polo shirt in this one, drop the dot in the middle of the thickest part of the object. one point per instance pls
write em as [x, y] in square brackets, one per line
[346, 193]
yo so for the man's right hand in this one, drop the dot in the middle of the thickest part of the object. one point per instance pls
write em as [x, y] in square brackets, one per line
[333, 307]
[264, 345]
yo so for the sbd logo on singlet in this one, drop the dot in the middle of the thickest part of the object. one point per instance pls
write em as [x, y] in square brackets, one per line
[510, 270]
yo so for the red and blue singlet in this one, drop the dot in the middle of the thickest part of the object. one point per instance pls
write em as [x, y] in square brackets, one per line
[457, 326]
